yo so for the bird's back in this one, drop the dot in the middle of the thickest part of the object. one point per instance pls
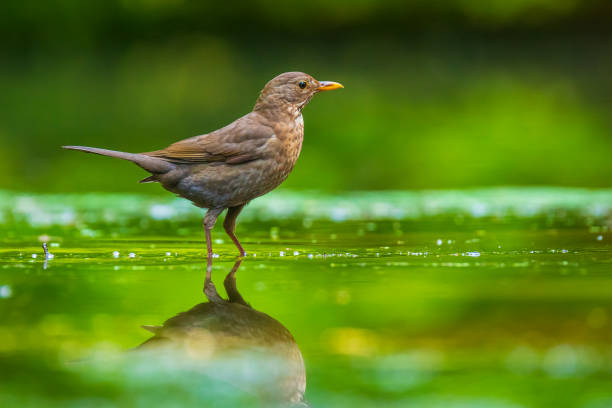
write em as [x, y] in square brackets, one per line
[234, 164]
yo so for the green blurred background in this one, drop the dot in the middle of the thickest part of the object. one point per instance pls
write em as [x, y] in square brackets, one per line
[448, 94]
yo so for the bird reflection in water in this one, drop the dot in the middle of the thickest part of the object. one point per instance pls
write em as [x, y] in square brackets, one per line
[244, 347]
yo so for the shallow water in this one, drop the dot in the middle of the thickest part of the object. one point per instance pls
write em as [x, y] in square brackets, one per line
[490, 298]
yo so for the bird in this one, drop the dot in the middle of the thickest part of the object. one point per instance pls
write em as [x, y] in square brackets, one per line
[230, 340]
[229, 167]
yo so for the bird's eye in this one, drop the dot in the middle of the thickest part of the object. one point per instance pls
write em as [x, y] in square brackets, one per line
[302, 84]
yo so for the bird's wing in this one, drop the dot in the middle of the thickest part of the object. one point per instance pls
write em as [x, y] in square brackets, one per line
[242, 141]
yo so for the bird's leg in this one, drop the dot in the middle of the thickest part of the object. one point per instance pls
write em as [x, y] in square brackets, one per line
[209, 223]
[230, 226]
[230, 286]
[209, 287]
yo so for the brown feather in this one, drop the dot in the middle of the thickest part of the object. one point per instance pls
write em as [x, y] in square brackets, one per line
[240, 142]
[150, 179]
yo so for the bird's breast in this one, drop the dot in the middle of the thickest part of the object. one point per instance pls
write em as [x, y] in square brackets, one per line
[283, 151]
[290, 135]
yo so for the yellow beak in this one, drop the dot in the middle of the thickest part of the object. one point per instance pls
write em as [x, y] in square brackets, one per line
[329, 86]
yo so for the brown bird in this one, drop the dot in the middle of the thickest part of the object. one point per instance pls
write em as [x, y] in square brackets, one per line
[231, 166]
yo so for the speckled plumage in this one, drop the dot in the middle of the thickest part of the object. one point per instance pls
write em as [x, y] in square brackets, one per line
[239, 162]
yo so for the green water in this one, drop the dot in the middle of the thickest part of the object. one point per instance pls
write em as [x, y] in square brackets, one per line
[484, 298]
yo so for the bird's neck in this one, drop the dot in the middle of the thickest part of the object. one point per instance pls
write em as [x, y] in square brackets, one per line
[278, 112]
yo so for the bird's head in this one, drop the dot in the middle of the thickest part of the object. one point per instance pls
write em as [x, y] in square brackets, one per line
[292, 91]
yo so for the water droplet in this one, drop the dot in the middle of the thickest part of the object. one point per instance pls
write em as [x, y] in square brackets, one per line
[282, 253]
[34, 256]
[600, 237]
[439, 242]
[115, 254]
[132, 255]
[296, 253]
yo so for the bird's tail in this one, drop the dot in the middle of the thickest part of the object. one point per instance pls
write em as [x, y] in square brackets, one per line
[151, 164]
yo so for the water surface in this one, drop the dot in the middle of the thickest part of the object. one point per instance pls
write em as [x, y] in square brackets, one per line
[490, 298]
